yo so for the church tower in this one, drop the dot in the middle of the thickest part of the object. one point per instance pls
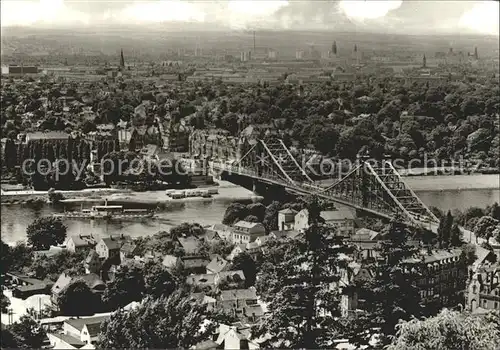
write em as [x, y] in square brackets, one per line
[476, 56]
[424, 62]
[334, 48]
[122, 59]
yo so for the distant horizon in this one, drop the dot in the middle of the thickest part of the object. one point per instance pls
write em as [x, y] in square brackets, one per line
[174, 28]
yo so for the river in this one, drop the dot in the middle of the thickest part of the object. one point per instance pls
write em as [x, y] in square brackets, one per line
[444, 192]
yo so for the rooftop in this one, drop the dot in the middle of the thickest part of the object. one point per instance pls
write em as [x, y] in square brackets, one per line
[247, 224]
[238, 294]
[79, 323]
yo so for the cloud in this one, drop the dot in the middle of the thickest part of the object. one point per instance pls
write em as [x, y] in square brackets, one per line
[51, 12]
[366, 9]
[415, 16]
[482, 18]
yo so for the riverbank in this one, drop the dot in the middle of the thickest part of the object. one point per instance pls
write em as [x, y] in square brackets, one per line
[226, 191]
[453, 183]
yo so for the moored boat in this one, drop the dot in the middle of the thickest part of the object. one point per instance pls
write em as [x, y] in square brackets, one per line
[106, 212]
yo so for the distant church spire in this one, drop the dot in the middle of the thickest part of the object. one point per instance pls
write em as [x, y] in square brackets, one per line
[424, 62]
[122, 59]
[334, 48]
[355, 48]
[476, 56]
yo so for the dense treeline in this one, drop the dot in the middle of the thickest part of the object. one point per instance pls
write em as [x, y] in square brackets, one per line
[382, 115]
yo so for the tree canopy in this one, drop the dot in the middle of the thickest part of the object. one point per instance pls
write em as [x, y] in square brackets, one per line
[450, 330]
[171, 322]
[46, 231]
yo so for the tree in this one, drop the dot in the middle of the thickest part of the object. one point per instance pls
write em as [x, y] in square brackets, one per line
[8, 339]
[391, 295]
[271, 216]
[158, 281]
[76, 299]
[247, 264]
[486, 226]
[54, 197]
[27, 334]
[128, 286]
[258, 210]
[450, 330]
[220, 247]
[4, 304]
[46, 231]
[187, 230]
[234, 213]
[456, 236]
[251, 218]
[303, 306]
[444, 230]
[163, 323]
[469, 254]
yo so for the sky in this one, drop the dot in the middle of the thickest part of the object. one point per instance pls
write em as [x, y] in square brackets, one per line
[409, 16]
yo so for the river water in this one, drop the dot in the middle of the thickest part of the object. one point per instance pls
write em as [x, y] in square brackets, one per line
[444, 192]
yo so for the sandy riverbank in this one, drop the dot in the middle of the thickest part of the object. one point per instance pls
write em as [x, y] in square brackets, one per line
[227, 191]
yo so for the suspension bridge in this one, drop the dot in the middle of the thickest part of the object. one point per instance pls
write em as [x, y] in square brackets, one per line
[373, 188]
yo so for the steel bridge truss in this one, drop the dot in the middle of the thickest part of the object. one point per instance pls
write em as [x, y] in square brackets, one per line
[377, 188]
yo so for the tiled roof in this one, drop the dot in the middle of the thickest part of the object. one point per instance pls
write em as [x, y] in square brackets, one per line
[238, 294]
[128, 247]
[92, 255]
[69, 339]
[232, 276]
[247, 224]
[287, 211]
[52, 135]
[78, 323]
[190, 244]
[217, 264]
[194, 261]
[82, 240]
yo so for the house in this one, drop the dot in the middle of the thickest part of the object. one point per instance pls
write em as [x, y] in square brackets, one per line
[235, 337]
[170, 261]
[191, 245]
[204, 299]
[93, 281]
[92, 263]
[443, 276]
[230, 279]
[128, 251]
[217, 264]
[26, 286]
[240, 303]
[246, 232]
[281, 235]
[238, 249]
[194, 264]
[53, 250]
[483, 290]
[109, 247]
[342, 219]
[366, 243]
[286, 219]
[202, 282]
[76, 243]
[218, 231]
[77, 332]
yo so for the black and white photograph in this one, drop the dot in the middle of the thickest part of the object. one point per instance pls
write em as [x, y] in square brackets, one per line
[250, 174]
